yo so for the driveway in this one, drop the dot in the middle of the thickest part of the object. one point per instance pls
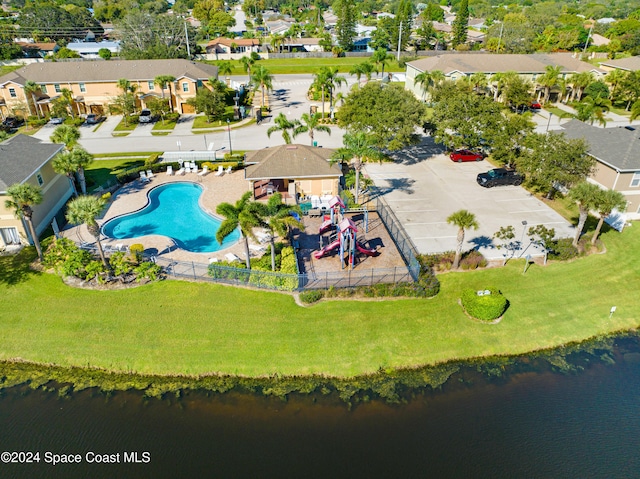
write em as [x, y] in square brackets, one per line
[423, 187]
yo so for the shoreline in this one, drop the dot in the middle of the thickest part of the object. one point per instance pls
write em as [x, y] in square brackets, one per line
[385, 384]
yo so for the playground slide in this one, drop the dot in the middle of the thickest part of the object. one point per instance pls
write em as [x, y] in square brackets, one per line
[330, 247]
[325, 226]
[363, 250]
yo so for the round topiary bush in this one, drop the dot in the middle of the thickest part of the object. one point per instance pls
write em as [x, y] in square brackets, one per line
[489, 305]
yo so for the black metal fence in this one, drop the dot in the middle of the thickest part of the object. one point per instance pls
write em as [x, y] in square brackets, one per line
[279, 281]
[400, 237]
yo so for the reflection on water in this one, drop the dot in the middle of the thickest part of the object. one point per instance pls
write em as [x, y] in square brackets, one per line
[529, 424]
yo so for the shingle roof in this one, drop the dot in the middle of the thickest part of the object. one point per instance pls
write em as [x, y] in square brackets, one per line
[109, 71]
[241, 42]
[490, 63]
[291, 161]
[615, 147]
[629, 64]
[21, 156]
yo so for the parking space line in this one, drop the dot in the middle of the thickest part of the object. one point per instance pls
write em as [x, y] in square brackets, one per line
[527, 211]
[433, 237]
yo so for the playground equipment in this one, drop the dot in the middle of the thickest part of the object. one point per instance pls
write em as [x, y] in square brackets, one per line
[346, 241]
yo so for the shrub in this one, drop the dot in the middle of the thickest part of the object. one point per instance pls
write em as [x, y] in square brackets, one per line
[473, 260]
[486, 307]
[120, 264]
[312, 296]
[67, 259]
[96, 270]
[78, 121]
[563, 250]
[147, 270]
[174, 117]
[136, 251]
[152, 159]
[106, 196]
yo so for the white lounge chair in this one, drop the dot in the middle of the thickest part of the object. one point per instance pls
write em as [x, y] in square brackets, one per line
[230, 257]
[257, 249]
[220, 171]
[169, 170]
[150, 174]
[229, 170]
[194, 167]
[204, 172]
[180, 172]
[143, 177]
[213, 260]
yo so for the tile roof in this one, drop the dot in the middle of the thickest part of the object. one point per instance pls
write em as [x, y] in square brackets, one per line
[630, 64]
[22, 155]
[241, 42]
[616, 147]
[291, 161]
[490, 63]
[88, 71]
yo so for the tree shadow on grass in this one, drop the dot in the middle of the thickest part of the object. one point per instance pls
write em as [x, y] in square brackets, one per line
[14, 269]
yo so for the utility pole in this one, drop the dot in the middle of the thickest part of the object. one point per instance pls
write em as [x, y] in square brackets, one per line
[587, 42]
[399, 42]
[186, 32]
[500, 37]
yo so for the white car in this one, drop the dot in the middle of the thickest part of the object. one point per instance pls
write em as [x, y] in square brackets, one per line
[145, 116]
[56, 120]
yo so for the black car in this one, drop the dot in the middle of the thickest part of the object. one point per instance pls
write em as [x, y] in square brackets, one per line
[499, 177]
[11, 123]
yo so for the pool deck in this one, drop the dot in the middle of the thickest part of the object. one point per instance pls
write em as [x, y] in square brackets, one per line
[133, 196]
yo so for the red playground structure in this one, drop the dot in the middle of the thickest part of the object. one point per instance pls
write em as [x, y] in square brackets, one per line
[346, 242]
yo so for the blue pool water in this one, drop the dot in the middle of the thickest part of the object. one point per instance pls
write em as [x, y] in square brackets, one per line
[173, 211]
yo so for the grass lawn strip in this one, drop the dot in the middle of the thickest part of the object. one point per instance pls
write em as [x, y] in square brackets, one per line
[283, 66]
[175, 327]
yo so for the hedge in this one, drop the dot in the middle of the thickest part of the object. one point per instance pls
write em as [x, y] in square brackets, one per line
[485, 307]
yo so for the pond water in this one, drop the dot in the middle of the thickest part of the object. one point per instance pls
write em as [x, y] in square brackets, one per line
[535, 424]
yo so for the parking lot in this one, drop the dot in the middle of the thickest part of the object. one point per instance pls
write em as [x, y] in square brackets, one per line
[423, 187]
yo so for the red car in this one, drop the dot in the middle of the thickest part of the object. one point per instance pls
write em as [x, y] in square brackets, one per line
[465, 155]
[535, 105]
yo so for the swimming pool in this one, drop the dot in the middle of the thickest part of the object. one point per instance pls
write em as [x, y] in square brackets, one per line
[172, 211]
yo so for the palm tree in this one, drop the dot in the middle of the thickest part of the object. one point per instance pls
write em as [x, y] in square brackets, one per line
[280, 220]
[549, 79]
[332, 80]
[381, 57]
[63, 164]
[464, 220]
[166, 80]
[310, 124]
[277, 41]
[359, 147]
[499, 80]
[247, 62]
[428, 80]
[615, 78]
[245, 214]
[81, 158]
[30, 89]
[594, 108]
[22, 197]
[319, 83]
[578, 82]
[67, 96]
[67, 134]
[478, 80]
[364, 68]
[585, 195]
[284, 125]
[606, 202]
[225, 68]
[263, 79]
[85, 210]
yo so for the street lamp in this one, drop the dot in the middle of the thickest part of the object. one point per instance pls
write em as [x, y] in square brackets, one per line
[229, 130]
[524, 228]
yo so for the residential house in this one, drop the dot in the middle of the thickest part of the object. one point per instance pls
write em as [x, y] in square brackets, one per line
[90, 49]
[233, 45]
[24, 159]
[278, 27]
[38, 49]
[529, 67]
[629, 64]
[302, 44]
[618, 162]
[294, 170]
[93, 84]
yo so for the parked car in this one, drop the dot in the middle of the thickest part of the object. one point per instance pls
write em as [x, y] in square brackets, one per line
[56, 120]
[11, 123]
[93, 119]
[499, 177]
[535, 106]
[466, 155]
[145, 116]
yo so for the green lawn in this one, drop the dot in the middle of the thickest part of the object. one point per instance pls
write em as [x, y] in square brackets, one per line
[283, 66]
[558, 112]
[104, 172]
[185, 327]
[164, 125]
[122, 127]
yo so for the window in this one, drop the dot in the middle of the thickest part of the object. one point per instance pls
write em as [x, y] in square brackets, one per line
[43, 89]
[9, 236]
[151, 85]
[12, 92]
[185, 86]
[57, 87]
[635, 181]
[83, 89]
